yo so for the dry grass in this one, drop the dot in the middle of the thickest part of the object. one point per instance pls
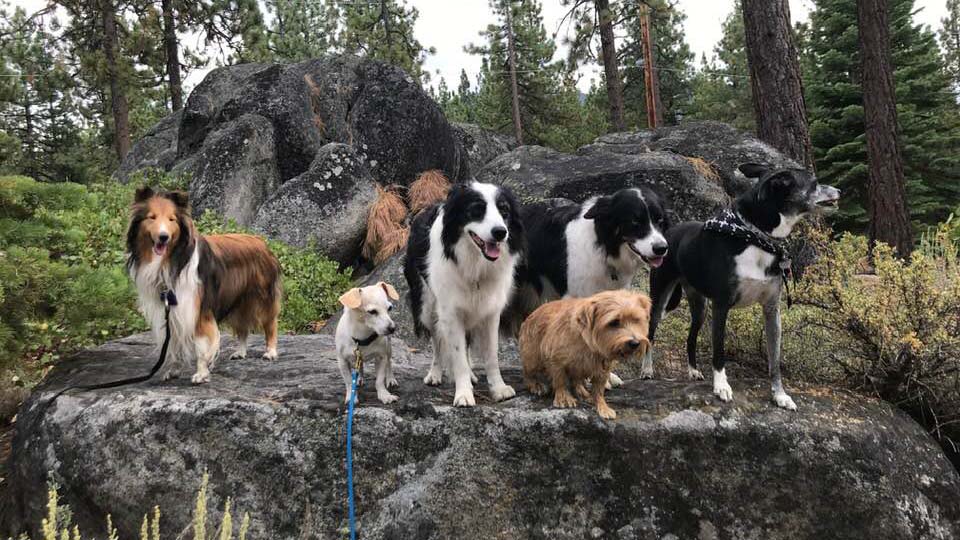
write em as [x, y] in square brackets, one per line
[386, 230]
[704, 168]
[429, 188]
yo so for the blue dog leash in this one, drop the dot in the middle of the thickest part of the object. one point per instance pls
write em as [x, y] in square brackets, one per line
[357, 381]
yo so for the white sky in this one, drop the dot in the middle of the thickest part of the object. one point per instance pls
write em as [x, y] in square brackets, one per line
[449, 25]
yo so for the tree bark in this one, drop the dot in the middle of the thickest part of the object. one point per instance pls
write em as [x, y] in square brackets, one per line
[512, 59]
[611, 73]
[173, 55]
[118, 99]
[886, 191]
[778, 102]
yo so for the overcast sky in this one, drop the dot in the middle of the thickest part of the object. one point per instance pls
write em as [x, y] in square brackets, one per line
[449, 25]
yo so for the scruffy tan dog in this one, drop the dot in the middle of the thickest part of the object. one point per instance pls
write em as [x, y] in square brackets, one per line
[574, 340]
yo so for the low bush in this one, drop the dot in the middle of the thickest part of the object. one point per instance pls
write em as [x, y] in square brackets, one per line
[63, 284]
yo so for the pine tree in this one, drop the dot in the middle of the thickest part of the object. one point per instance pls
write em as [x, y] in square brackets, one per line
[926, 112]
[302, 29]
[672, 58]
[383, 30]
[721, 89]
[950, 41]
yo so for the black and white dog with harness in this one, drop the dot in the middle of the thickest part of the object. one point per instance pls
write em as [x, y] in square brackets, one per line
[460, 264]
[736, 260]
[577, 250]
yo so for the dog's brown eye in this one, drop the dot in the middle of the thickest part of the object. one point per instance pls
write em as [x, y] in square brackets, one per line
[614, 323]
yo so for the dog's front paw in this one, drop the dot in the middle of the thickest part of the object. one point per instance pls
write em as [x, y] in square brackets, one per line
[500, 393]
[694, 374]
[386, 397]
[784, 401]
[200, 378]
[606, 412]
[564, 400]
[392, 383]
[536, 388]
[464, 399]
[723, 391]
[238, 355]
[170, 374]
[433, 378]
[646, 370]
[270, 355]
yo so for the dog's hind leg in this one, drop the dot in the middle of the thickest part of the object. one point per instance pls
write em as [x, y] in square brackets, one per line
[773, 331]
[270, 336]
[485, 346]
[661, 293]
[698, 312]
[720, 385]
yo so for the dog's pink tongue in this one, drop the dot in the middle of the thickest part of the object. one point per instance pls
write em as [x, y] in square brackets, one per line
[655, 261]
[492, 249]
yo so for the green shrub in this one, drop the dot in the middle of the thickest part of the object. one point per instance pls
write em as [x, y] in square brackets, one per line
[63, 284]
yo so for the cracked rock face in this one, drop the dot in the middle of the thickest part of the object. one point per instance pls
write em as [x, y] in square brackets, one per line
[675, 464]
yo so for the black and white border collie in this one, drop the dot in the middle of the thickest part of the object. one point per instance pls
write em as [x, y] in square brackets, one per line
[732, 272]
[460, 265]
[229, 278]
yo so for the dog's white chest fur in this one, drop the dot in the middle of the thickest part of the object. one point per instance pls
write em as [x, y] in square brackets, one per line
[589, 270]
[153, 277]
[755, 286]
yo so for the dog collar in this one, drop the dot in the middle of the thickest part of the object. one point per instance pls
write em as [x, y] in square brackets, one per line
[366, 341]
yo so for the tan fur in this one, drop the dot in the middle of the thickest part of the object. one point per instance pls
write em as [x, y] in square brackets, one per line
[428, 189]
[574, 340]
[386, 232]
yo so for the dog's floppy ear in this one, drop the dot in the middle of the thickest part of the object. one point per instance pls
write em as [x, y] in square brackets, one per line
[644, 302]
[351, 299]
[179, 198]
[754, 170]
[586, 315]
[388, 288]
[603, 203]
[644, 347]
[143, 194]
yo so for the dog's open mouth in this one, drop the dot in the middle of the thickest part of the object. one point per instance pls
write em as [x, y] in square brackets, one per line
[490, 250]
[828, 203]
[160, 248]
[652, 261]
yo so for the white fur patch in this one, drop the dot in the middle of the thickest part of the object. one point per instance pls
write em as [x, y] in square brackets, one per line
[786, 225]
[720, 385]
[755, 285]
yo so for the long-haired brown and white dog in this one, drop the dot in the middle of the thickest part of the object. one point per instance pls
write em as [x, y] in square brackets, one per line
[230, 278]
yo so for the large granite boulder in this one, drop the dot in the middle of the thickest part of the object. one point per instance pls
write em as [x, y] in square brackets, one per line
[676, 463]
[157, 149]
[325, 207]
[482, 145]
[235, 170]
[537, 173]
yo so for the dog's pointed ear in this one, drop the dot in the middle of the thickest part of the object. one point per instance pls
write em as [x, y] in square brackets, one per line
[179, 198]
[388, 288]
[351, 299]
[754, 170]
[143, 194]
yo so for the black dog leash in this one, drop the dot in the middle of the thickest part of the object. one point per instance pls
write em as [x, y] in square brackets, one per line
[169, 300]
[730, 223]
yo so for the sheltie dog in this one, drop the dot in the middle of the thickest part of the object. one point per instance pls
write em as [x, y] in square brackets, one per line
[230, 278]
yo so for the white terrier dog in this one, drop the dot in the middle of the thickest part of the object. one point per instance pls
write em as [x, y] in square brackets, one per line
[366, 324]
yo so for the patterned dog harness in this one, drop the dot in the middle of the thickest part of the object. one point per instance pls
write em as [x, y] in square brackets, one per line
[730, 223]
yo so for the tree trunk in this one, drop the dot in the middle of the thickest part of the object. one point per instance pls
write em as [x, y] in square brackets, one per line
[886, 193]
[173, 55]
[610, 71]
[655, 75]
[514, 93]
[778, 103]
[118, 99]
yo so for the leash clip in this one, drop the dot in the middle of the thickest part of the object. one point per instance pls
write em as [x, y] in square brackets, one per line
[168, 298]
[358, 364]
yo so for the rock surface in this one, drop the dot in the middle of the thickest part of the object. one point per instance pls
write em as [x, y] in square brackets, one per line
[157, 149]
[482, 145]
[536, 173]
[674, 464]
[325, 207]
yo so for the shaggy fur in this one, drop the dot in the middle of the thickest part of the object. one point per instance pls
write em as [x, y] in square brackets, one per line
[229, 278]
[386, 230]
[366, 317]
[571, 341]
[429, 188]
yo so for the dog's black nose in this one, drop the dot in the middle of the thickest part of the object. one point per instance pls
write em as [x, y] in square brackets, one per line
[499, 233]
[163, 237]
[633, 344]
[660, 249]
[391, 329]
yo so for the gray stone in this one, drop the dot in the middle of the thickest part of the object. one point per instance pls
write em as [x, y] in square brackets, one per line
[235, 170]
[157, 149]
[482, 145]
[537, 173]
[326, 207]
[271, 435]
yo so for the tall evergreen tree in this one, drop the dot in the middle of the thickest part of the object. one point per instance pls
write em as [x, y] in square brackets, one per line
[383, 30]
[950, 41]
[302, 29]
[926, 112]
[721, 89]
